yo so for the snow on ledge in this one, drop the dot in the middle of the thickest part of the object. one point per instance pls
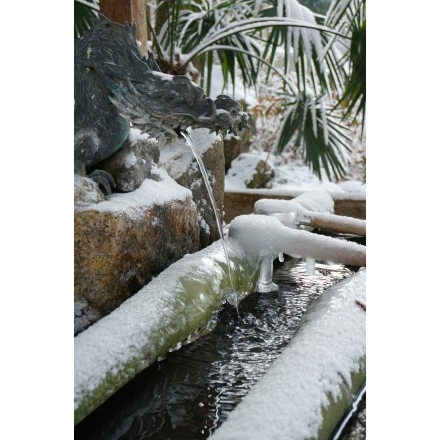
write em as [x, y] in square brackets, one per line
[327, 349]
[151, 192]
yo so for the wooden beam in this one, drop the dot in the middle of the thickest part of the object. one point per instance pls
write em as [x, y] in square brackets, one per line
[133, 11]
[336, 223]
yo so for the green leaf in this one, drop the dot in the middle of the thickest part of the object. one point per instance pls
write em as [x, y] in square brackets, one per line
[312, 126]
[85, 15]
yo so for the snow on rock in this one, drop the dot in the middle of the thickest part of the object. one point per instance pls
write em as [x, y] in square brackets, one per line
[177, 158]
[150, 193]
[243, 169]
[86, 192]
[326, 352]
[292, 175]
[181, 164]
[122, 242]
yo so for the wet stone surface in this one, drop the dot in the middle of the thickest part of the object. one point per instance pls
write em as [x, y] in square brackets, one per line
[191, 393]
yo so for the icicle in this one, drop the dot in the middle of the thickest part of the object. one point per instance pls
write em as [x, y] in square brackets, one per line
[265, 283]
[310, 266]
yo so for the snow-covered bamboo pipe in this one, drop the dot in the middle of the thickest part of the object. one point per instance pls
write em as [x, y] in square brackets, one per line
[172, 308]
[262, 235]
[337, 223]
[310, 386]
[313, 209]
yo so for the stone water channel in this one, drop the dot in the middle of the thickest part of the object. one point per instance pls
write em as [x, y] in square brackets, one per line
[192, 391]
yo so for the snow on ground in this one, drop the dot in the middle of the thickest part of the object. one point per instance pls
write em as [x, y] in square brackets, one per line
[288, 176]
[291, 173]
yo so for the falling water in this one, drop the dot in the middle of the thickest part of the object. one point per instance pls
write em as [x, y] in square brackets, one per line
[214, 206]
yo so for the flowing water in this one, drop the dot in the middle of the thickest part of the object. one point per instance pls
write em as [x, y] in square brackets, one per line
[190, 393]
[214, 207]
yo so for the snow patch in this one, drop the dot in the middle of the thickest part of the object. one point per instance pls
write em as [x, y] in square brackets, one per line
[150, 193]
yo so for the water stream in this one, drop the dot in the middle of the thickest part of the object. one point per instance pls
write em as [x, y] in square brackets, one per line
[192, 392]
[216, 212]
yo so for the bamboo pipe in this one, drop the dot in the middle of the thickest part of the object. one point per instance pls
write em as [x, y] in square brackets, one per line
[261, 235]
[336, 223]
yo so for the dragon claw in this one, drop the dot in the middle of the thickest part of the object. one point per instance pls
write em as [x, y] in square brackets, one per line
[104, 180]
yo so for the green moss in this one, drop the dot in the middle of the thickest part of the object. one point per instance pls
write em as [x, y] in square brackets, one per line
[199, 295]
[335, 410]
[107, 388]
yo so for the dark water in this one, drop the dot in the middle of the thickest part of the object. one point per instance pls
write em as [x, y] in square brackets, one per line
[190, 393]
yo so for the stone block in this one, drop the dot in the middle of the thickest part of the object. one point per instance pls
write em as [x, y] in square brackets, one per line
[124, 241]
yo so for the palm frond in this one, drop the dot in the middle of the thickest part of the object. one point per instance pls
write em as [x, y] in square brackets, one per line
[310, 124]
[303, 46]
[85, 14]
[243, 25]
[349, 17]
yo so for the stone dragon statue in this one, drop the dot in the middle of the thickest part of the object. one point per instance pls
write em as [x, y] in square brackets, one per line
[115, 88]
